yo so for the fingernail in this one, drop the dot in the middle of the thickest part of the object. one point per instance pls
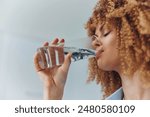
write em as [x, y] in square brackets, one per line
[56, 39]
[45, 43]
[62, 40]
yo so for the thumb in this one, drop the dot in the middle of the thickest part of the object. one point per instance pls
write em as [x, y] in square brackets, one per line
[67, 62]
[62, 74]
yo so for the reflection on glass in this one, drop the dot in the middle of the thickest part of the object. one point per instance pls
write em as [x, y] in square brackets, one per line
[54, 55]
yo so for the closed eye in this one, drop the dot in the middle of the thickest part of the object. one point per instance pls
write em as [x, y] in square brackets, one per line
[107, 33]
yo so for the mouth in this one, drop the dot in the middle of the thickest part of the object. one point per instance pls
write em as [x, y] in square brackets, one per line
[99, 53]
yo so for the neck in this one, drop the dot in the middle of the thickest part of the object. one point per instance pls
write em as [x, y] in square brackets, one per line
[133, 88]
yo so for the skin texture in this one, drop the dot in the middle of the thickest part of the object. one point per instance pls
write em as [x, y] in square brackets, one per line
[105, 44]
[54, 78]
[131, 19]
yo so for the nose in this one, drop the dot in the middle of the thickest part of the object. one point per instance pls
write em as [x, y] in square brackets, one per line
[96, 43]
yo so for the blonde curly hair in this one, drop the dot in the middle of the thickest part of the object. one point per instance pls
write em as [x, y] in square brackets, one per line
[132, 21]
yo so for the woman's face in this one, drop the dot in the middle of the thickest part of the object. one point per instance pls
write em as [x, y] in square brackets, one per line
[105, 43]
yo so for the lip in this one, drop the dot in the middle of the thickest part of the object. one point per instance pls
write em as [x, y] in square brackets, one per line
[99, 53]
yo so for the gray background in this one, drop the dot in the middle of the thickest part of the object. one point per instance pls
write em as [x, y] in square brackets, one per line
[24, 26]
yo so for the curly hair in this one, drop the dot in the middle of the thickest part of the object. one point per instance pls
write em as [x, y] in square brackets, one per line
[132, 21]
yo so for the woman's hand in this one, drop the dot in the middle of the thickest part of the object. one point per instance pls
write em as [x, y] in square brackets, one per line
[54, 78]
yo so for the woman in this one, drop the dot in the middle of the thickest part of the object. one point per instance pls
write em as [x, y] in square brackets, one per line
[120, 33]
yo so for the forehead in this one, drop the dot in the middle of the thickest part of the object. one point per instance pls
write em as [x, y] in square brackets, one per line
[99, 28]
[104, 25]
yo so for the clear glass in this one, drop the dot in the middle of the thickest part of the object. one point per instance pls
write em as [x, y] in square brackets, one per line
[51, 56]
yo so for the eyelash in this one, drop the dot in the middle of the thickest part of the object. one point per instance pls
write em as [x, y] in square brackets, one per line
[93, 38]
[106, 34]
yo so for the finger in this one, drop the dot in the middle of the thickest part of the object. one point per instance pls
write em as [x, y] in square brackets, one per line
[55, 41]
[36, 62]
[60, 54]
[61, 42]
[67, 62]
[44, 56]
[61, 77]
[39, 58]
[43, 53]
[45, 44]
[52, 56]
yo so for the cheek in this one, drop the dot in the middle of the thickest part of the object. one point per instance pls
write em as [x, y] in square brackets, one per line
[109, 59]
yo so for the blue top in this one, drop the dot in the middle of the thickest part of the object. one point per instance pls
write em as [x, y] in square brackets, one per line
[117, 95]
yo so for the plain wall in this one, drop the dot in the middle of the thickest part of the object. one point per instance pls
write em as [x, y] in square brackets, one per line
[24, 26]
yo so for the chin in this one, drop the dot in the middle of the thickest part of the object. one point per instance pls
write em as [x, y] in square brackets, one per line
[105, 66]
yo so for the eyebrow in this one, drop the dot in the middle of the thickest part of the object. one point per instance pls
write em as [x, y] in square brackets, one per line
[101, 28]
